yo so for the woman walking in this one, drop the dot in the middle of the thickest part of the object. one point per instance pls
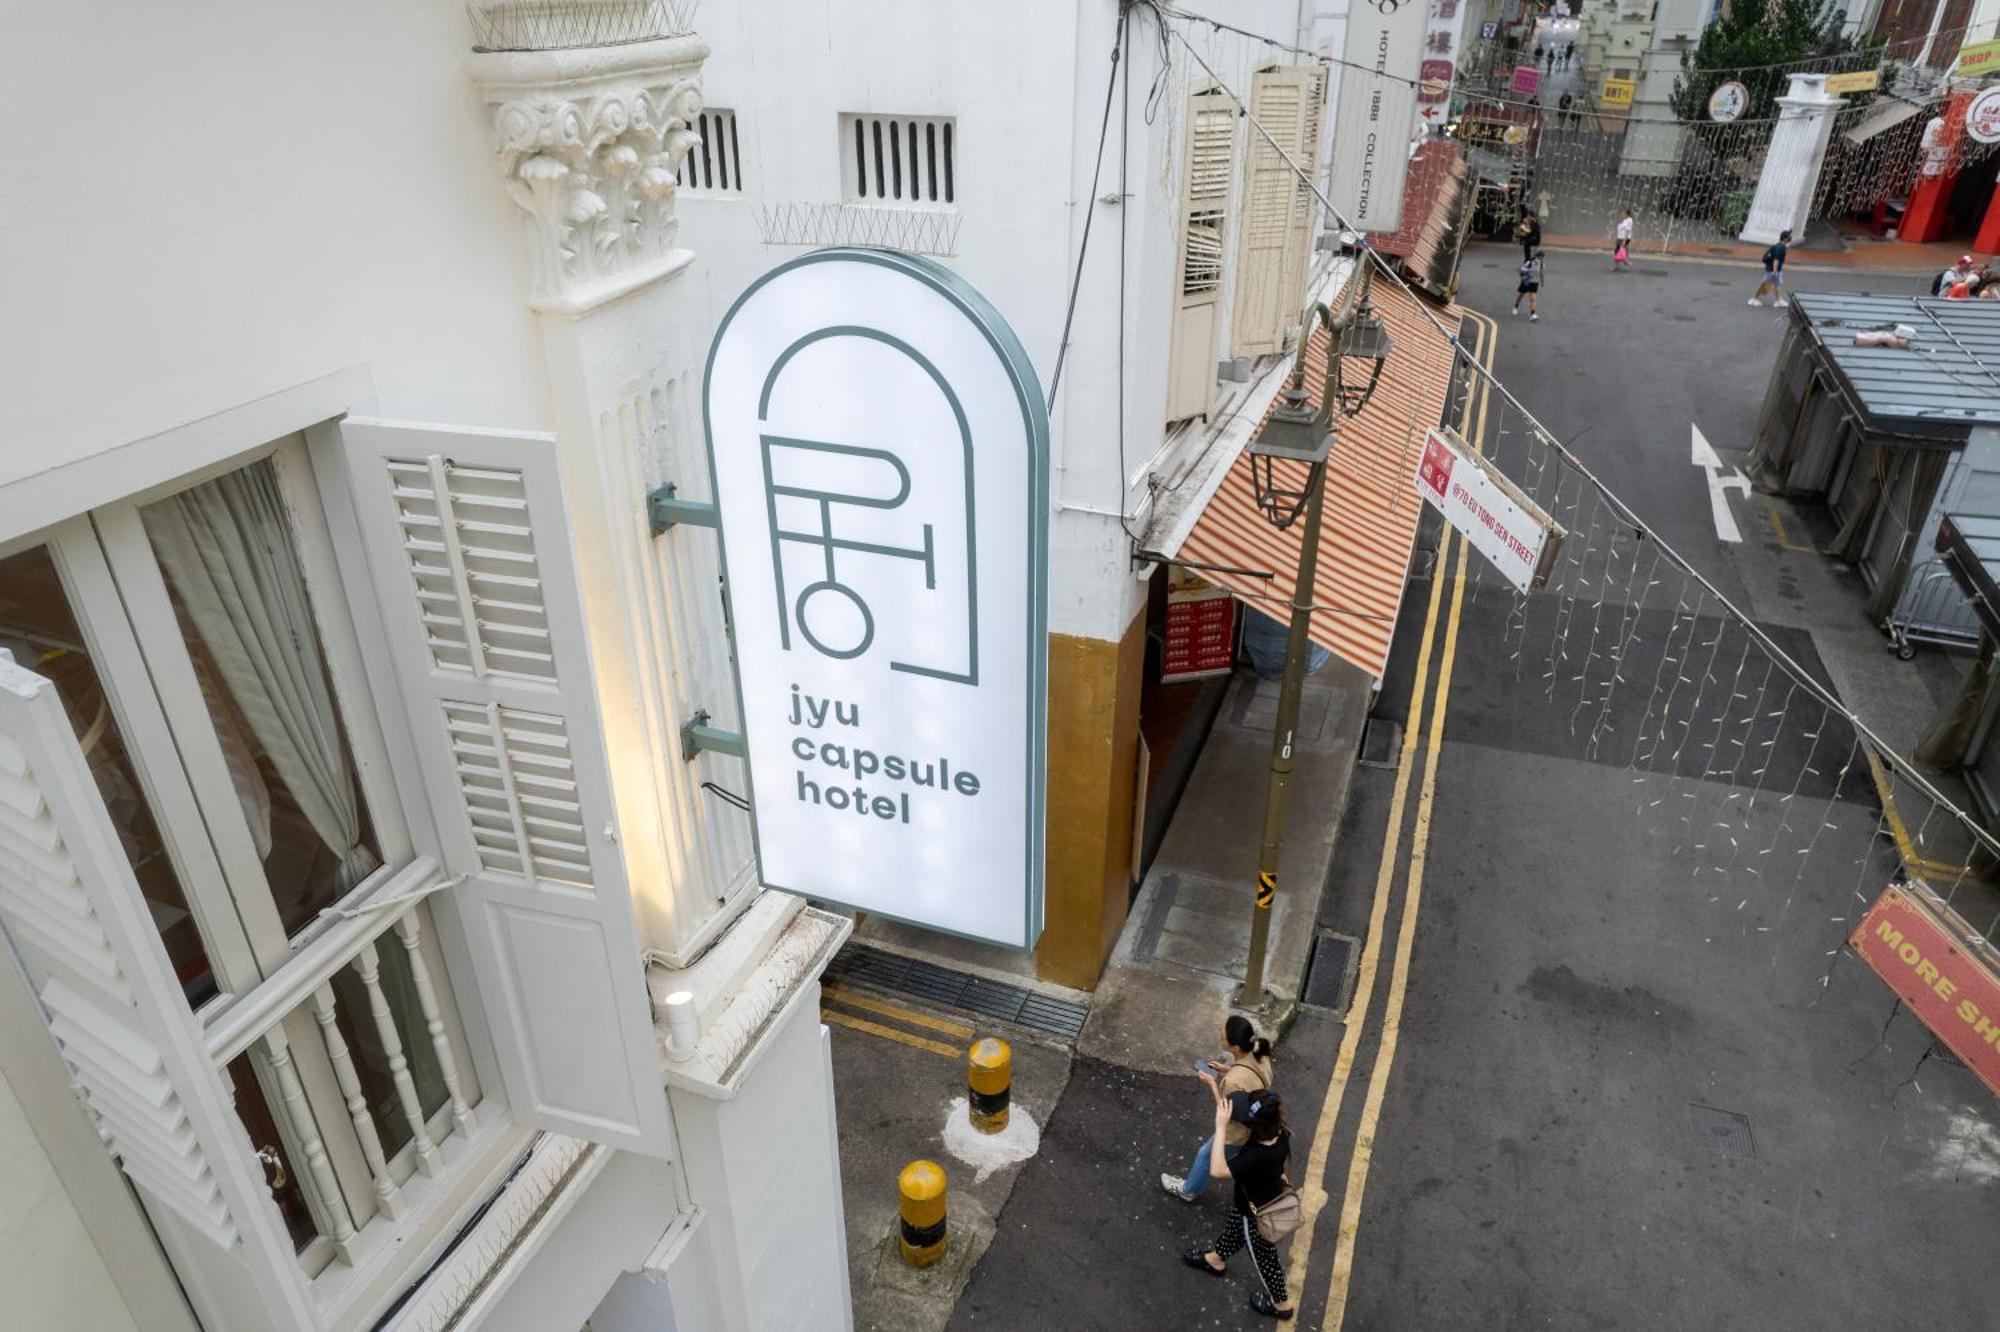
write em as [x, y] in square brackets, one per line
[1259, 1175]
[1529, 285]
[1621, 249]
[1247, 1070]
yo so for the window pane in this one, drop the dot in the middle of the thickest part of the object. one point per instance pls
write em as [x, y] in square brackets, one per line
[37, 626]
[225, 548]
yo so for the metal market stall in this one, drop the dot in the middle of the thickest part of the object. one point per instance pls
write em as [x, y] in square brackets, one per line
[1889, 438]
[1965, 735]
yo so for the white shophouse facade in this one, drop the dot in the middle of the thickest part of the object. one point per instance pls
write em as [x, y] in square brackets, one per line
[344, 823]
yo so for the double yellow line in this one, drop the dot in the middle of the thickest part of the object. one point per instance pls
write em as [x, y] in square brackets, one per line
[1472, 425]
[833, 1000]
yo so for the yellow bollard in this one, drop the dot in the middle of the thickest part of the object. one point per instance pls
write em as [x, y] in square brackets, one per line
[922, 1185]
[989, 1074]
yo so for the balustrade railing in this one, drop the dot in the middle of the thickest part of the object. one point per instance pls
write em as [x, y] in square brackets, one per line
[351, 1058]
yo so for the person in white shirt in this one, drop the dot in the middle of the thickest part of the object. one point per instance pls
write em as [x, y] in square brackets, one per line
[1621, 253]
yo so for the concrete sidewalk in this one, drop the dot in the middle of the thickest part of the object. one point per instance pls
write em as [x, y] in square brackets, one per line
[1172, 979]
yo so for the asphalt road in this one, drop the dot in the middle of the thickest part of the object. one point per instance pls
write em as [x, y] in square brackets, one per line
[1629, 1092]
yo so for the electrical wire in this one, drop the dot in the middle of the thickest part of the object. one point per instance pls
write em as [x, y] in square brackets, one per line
[1089, 216]
[1822, 692]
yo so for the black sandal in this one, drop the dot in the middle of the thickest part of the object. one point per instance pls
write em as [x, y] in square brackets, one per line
[1198, 1258]
[1263, 1304]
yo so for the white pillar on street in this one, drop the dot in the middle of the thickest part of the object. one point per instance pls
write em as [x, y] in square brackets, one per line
[1791, 167]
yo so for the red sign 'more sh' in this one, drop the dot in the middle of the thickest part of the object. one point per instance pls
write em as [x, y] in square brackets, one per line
[1940, 968]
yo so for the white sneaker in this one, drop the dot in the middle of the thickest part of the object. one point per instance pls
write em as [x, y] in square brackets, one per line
[1516, 311]
[1176, 1185]
[1532, 316]
[1780, 303]
[1755, 301]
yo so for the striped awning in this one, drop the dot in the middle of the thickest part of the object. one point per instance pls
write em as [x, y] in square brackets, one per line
[1372, 506]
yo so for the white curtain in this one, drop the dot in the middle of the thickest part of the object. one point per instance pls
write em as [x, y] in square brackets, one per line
[227, 547]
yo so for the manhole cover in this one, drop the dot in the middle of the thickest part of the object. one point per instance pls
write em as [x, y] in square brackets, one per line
[1381, 743]
[1722, 1131]
[1718, 282]
[1684, 319]
[1653, 272]
[1330, 973]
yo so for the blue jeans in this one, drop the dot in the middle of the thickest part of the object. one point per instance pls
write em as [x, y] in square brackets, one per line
[1196, 1182]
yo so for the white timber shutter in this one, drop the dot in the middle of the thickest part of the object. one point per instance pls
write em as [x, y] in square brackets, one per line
[79, 926]
[1276, 231]
[1210, 163]
[1305, 202]
[468, 545]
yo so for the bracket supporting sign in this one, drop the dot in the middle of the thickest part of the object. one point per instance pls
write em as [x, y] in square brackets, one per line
[879, 444]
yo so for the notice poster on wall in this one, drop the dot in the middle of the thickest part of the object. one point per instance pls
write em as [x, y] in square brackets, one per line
[880, 453]
[1377, 114]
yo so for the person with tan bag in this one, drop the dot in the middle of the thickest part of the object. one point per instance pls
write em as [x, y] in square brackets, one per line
[1264, 1207]
[1248, 1069]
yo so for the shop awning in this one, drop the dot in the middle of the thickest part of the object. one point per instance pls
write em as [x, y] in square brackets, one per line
[1372, 507]
[1885, 113]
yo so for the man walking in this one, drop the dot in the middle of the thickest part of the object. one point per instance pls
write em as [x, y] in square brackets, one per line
[1774, 272]
[1530, 285]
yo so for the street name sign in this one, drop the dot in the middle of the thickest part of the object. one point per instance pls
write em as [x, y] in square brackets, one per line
[1495, 515]
[879, 445]
[1377, 112]
[1940, 968]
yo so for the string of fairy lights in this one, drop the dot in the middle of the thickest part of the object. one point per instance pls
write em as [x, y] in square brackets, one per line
[1642, 663]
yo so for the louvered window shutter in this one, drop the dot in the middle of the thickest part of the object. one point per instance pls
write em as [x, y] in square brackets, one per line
[1210, 163]
[1305, 203]
[469, 551]
[74, 914]
[1285, 101]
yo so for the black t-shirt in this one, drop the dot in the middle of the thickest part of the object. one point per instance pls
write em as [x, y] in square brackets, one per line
[1774, 258]
[1259, 1170]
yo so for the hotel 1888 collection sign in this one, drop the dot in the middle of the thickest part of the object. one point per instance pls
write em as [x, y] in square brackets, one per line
[879, 446]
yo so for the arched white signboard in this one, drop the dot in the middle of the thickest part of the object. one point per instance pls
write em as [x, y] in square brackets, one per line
[879, 446]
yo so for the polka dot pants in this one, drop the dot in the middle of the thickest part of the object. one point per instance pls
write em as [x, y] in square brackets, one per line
[1241, 1228]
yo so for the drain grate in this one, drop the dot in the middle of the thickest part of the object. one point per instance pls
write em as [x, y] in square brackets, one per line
[1423, 562]
[859, 964]
[1381, 743]
[1330, 973]
[1723, 1131]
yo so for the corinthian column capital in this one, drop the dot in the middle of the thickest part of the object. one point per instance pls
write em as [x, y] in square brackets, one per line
[587, 142]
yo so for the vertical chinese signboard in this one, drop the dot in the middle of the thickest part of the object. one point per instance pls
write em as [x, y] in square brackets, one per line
[1441, 47]
[879, 446]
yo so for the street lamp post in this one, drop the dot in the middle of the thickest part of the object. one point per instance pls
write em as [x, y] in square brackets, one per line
[1296, 432]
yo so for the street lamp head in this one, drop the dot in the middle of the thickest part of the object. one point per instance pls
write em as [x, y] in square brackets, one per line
[1367, 343]
[1294, 432]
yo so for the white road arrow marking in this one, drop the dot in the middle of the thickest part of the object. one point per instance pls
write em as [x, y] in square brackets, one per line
[1706, 459]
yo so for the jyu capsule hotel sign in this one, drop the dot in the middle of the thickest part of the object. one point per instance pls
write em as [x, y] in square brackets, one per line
[879, 445]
